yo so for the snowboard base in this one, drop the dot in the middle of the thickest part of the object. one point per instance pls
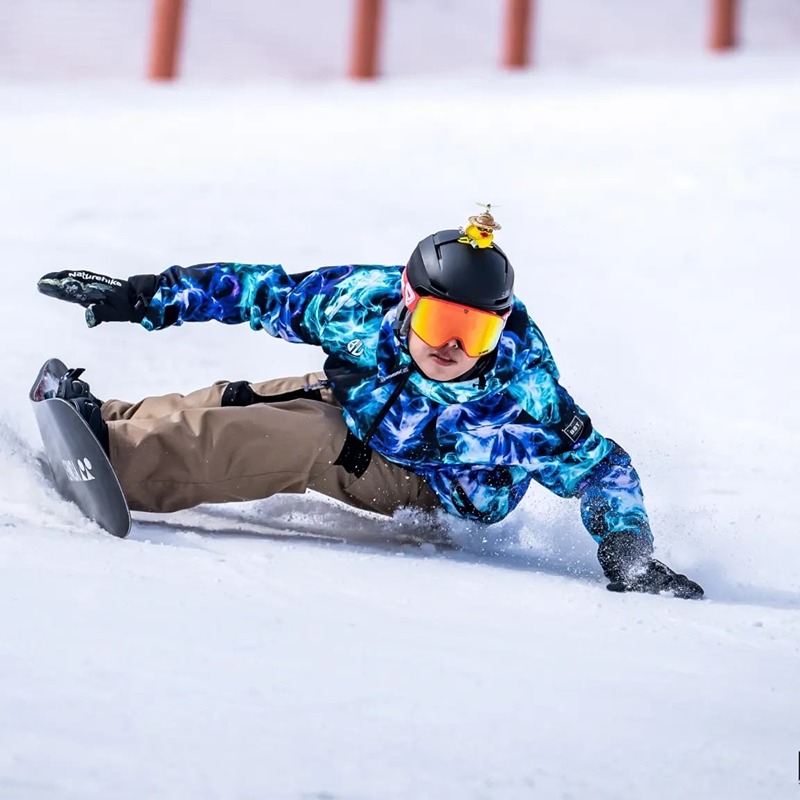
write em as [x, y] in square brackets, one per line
[81, 470]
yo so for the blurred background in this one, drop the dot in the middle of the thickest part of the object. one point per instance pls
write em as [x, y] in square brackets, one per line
[648, 185]
[249, 40]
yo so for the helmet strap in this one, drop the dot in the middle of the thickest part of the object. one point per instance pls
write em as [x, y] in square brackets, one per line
[402, 324]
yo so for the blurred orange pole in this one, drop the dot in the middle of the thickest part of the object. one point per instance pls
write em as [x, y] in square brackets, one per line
[722, 35]
[519, 14]
[366, 35]
[166, 39]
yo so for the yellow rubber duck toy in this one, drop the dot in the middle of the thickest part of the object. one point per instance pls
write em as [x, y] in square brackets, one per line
[479, 232]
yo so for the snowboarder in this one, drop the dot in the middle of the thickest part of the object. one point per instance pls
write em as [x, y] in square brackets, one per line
[439, 391]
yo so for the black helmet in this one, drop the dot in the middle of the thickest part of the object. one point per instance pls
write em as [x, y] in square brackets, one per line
[445, 266]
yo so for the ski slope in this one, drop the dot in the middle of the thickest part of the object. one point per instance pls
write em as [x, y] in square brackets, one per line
[220, 653]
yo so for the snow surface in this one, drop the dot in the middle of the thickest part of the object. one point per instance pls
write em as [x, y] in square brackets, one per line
[652, 216]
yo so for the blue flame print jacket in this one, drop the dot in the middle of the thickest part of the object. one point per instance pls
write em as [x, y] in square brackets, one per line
[477, 442]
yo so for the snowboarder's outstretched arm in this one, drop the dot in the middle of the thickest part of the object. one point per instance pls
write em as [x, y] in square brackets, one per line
[613, 511]
[263, 295]
[554, 443]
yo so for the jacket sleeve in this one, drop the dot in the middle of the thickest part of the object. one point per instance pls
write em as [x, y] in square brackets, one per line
[551, 440]
[263, 295]
[480, 493]
[609, 489]
[572, 459]
[611, 498]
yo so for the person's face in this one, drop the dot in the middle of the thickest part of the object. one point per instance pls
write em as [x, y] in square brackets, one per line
[445, 363]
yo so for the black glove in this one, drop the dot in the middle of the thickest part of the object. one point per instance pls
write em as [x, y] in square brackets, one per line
[105, 299]
[628, 563]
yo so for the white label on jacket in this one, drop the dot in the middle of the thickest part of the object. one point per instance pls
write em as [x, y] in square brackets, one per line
[574, 429]
[355, 347]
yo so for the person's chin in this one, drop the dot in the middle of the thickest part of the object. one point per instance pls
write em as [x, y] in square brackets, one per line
[441, 372]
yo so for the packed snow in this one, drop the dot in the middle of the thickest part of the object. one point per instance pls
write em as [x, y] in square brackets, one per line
[292, 648]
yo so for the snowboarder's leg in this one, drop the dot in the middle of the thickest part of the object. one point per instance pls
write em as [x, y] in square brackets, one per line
[199, 454]
[210, 397]
[384, 487]
[164, 405]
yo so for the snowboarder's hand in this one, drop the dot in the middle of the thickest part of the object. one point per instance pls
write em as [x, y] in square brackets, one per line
[654, 578]
[628, 563]
[105, 299]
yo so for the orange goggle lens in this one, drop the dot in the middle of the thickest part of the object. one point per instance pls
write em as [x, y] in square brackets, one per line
[437, 322]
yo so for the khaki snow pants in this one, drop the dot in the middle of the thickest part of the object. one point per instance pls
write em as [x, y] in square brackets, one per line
[177, 451]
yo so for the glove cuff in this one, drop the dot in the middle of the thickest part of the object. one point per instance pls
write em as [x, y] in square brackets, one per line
[141, 290]
[621, 554]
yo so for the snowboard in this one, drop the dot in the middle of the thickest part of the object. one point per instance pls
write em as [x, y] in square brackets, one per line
[81, 470]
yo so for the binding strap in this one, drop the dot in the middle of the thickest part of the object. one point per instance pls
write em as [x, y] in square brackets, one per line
[240, 393]
[357, 454]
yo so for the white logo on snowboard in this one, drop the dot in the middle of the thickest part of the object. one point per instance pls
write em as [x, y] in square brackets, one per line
[79, 470]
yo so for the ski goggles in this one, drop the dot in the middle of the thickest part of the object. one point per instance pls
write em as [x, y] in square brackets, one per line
[438, 321]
